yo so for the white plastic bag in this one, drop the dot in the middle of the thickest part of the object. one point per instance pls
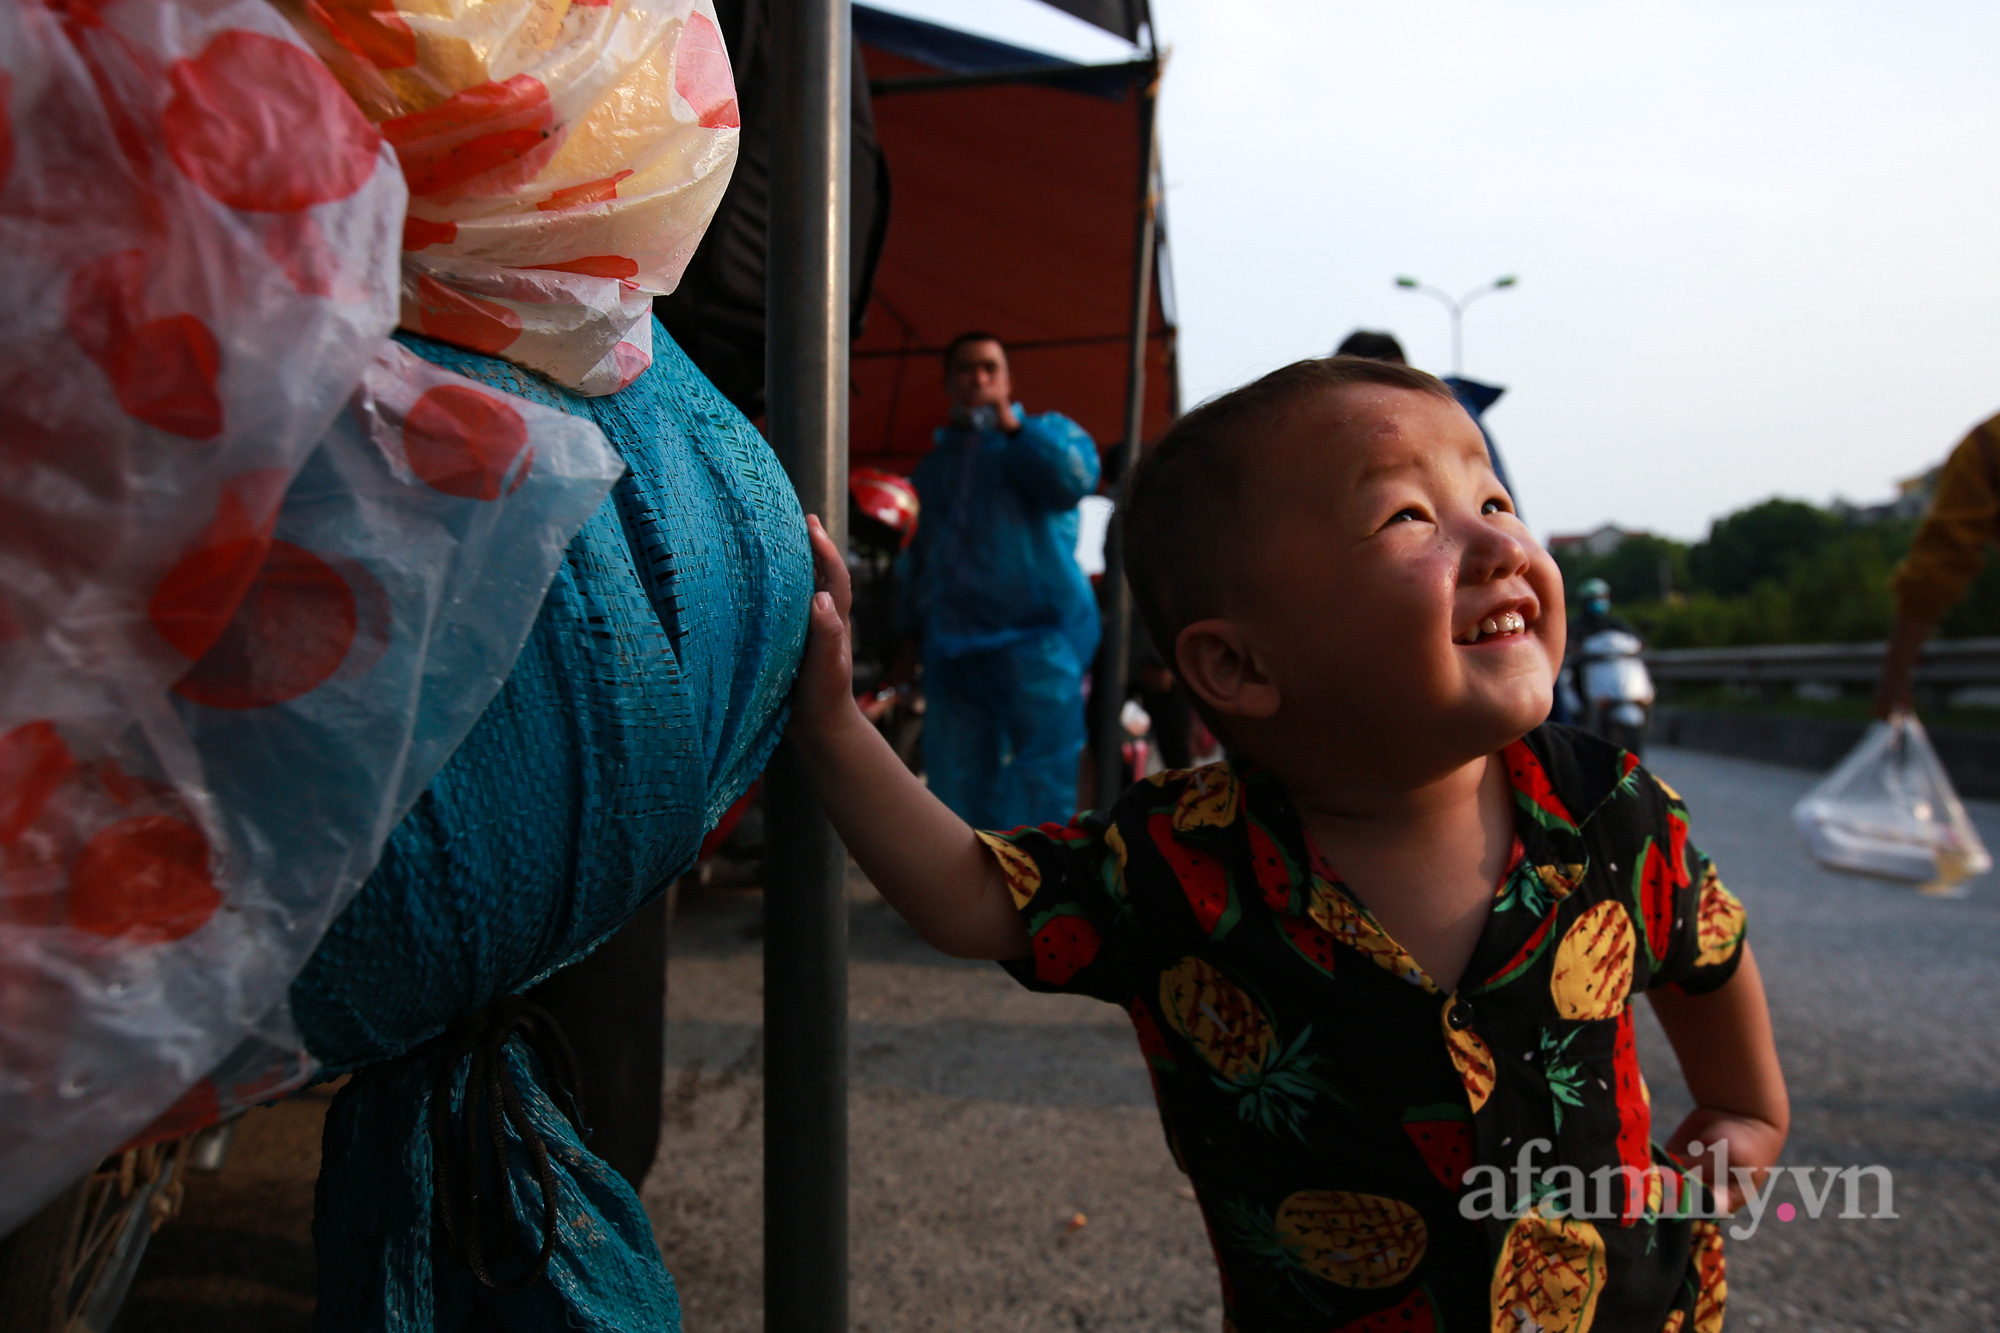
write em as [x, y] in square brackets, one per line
[564, 159]
[198, 240]
[198, 259]
[173, 854]
[1890, 810]
[246, 608]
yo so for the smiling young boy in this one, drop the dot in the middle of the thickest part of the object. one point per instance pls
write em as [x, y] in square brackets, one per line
[1395, 936]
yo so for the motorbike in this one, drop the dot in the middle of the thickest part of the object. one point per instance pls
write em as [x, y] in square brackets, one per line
[69, 1268]
[1617, 690]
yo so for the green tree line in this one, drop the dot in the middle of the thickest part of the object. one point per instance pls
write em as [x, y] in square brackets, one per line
[1782, 571]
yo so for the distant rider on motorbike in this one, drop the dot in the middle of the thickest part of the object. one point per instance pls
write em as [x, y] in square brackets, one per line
[1621, 711]
[1594, 597]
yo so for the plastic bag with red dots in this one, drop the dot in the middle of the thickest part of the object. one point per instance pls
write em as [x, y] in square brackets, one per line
[247, 608]
[563, 156]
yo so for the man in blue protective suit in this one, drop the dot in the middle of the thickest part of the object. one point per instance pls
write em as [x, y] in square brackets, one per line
[991, 589]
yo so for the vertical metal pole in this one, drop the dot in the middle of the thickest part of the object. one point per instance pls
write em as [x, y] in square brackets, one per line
[1115, 661]
[805, 935]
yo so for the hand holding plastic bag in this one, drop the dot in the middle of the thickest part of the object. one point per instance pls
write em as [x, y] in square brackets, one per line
[1889, 809]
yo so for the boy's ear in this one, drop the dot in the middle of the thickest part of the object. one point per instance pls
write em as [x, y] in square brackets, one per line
[1218, 664]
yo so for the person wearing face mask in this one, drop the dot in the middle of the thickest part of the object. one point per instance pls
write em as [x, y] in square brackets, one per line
[991, 590]
[1596, 615]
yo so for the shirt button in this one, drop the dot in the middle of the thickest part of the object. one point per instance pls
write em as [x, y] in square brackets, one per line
[1460, 1015]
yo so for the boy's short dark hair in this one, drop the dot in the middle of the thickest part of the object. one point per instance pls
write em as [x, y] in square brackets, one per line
[1183, 520]
[970, 336]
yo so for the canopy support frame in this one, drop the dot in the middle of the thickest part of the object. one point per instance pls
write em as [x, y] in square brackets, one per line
[1114, 659]
[805, 898]
[1054, 73]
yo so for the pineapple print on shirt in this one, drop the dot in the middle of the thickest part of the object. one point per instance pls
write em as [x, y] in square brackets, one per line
[1550, 1275]
[1275, 1085]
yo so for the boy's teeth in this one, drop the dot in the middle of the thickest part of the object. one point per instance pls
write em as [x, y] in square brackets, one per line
[1507, 622]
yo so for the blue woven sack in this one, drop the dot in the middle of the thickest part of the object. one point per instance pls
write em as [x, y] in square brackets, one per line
[647, 698]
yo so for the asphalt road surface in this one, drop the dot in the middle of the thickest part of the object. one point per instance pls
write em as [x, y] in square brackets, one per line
[986, 1120]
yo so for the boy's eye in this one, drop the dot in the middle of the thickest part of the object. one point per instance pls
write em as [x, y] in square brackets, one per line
[1404, 516]
[1493, 507]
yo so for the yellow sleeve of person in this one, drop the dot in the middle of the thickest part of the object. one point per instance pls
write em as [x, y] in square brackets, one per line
[1964, 516]
[1947, 551]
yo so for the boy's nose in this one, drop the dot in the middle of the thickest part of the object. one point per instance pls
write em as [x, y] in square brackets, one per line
[1491, 554]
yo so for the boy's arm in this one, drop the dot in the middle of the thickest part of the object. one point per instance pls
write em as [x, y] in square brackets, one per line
[1730, 1061]
[923, 858]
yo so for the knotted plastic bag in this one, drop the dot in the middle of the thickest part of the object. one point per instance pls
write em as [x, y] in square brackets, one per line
[649, 693]
[1889, 809]
[564, 158]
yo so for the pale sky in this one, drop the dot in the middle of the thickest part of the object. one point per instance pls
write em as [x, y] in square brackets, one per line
[1758, 242]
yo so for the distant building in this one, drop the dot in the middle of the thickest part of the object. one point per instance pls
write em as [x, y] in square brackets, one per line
[1913, 497]
[1597, 542]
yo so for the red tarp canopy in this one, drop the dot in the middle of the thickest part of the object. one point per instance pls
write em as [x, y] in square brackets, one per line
[1014, 211]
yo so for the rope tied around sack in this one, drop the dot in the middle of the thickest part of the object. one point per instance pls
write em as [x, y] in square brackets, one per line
[492, 1098]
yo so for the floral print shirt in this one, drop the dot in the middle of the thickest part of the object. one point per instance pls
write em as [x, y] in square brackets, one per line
[1331, 1105]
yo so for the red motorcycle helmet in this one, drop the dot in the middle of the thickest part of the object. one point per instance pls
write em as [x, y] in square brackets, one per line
[887, 499]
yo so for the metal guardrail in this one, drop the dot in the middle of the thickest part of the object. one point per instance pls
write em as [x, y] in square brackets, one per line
[1945, 662]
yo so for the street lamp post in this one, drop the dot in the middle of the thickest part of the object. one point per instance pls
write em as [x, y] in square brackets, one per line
[1457, 308]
